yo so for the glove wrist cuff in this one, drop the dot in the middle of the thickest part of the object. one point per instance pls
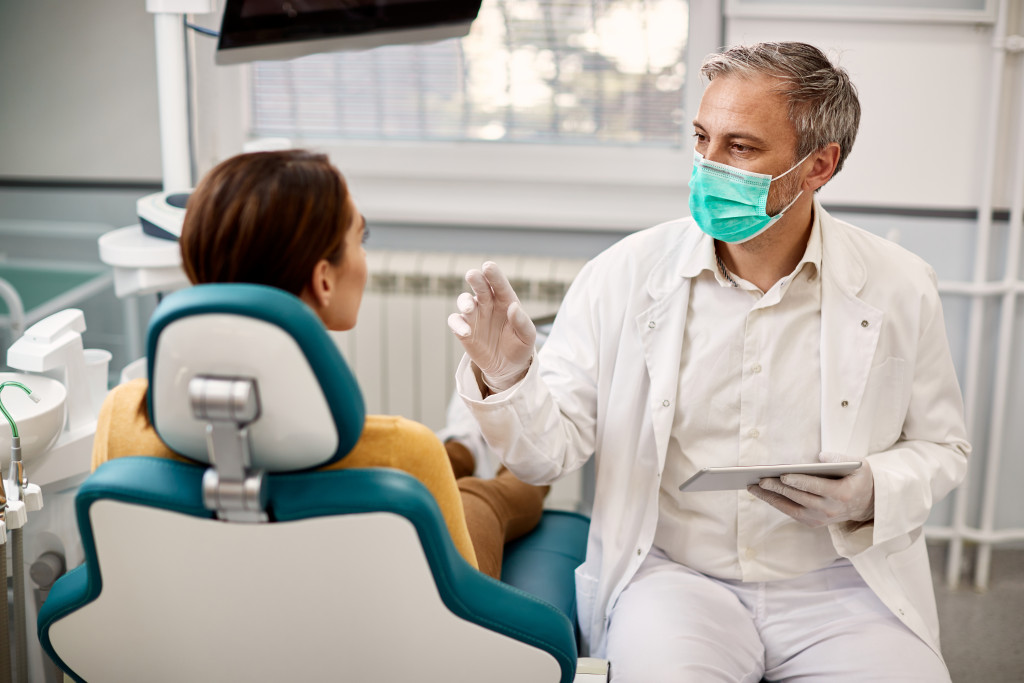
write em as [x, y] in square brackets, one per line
[504, 382]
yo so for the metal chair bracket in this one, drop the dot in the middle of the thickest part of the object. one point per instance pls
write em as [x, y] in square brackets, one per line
[228, 405]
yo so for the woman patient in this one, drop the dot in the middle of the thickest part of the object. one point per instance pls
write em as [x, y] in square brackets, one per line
[285, 219]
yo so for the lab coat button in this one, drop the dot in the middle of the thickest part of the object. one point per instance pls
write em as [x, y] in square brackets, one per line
[756, 368]
[750, 553]
[845, 403]
[651, 324]
[753, 433]
[900, 611]
[666, 403]
[863, 323]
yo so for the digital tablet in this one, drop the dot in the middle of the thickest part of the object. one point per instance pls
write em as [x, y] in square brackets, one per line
[732, 478]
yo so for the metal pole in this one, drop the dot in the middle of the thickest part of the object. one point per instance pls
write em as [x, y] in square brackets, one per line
[18, 572]
[172, 89]
[5, 635]
[1007, 320]
[954, 557]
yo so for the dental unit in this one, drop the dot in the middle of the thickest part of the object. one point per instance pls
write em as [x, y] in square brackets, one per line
[17, 484]
[51, 421]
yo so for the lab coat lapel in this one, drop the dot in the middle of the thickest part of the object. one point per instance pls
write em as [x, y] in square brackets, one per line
[661, 327]
[850, 329]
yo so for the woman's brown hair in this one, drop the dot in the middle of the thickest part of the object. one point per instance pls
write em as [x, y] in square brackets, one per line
[266, 218]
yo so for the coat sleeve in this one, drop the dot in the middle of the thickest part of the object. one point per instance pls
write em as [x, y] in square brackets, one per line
[544, 426]
[929, 458]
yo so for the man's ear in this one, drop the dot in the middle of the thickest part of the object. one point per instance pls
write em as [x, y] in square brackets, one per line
[825, 161]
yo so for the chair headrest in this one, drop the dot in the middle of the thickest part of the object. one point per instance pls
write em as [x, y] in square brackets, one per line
[311, 410]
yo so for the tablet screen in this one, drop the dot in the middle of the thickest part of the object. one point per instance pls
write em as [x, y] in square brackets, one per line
[733, 478]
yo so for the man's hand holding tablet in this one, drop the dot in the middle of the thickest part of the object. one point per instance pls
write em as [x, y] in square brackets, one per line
[732, 478]
[827, 492]
[817, 501]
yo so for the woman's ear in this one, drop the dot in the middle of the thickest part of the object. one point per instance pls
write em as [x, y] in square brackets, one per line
[320, 289]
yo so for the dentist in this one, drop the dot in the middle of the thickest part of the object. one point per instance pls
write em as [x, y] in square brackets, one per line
[759, 331]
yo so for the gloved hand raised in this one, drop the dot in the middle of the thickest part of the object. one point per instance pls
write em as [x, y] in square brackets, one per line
[817, 501]
[493, 327]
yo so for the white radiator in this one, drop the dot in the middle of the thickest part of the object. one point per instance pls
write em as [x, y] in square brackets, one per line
[403, 353]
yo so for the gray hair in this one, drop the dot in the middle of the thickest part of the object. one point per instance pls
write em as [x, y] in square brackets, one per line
[823, 104]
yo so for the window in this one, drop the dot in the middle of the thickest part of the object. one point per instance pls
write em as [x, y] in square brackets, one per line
[550, 113]
[530, 71]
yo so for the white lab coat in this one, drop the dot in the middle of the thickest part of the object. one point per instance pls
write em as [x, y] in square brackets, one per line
[605, 382]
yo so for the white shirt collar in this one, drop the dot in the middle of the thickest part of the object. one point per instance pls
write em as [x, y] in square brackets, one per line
[704, 257]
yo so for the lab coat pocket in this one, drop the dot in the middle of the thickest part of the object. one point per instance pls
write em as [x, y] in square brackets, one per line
[884, 404]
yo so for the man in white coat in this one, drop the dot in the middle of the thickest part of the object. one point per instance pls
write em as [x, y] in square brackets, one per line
[759, 331]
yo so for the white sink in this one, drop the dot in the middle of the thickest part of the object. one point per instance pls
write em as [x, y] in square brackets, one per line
[39, 424]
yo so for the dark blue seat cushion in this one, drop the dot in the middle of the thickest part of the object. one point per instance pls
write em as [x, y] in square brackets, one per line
[543, 563]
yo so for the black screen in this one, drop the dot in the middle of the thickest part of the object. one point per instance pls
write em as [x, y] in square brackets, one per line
[249, 23]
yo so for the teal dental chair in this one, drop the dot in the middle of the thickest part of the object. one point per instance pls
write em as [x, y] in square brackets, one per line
[247, 564]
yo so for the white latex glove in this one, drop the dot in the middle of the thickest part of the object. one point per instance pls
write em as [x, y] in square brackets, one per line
[817, 501]
[493, 327]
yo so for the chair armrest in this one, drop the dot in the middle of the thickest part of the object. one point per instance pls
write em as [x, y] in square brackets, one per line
[591, 670]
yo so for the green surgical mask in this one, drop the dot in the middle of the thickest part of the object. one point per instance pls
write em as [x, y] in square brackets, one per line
[728, 203]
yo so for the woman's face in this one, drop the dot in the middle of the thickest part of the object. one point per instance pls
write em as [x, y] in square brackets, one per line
[336, 290]
[351, 274]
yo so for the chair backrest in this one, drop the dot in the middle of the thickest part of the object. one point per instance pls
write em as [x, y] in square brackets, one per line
[311, 407]
[352, 576]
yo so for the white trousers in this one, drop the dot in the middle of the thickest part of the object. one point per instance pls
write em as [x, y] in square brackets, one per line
[673, 624]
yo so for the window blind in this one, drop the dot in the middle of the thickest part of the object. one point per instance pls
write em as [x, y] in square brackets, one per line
[590, 72]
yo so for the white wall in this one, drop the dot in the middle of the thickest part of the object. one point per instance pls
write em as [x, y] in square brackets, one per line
[923, 91]
[77, 90]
